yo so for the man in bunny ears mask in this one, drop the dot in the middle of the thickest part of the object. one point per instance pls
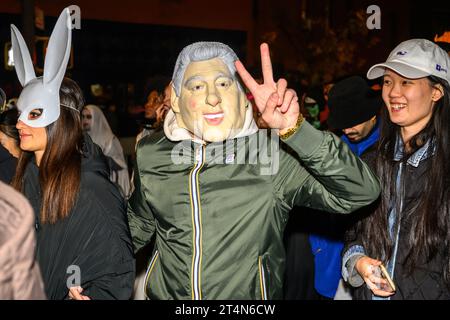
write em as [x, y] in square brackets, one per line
[83, 242]
[219, 221]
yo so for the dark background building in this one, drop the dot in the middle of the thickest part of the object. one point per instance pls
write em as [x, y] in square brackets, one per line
[128, 46]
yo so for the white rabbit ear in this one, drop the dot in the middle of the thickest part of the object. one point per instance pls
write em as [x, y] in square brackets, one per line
[22, 59]
[58, 51]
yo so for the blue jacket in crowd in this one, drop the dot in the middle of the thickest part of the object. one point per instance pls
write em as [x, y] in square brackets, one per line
[327, 252]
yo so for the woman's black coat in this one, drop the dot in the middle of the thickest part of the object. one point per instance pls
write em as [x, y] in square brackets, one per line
[93, 242]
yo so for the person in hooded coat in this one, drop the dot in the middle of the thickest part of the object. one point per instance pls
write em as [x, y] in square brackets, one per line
[83, 238]
[217, 219]
[95, 124]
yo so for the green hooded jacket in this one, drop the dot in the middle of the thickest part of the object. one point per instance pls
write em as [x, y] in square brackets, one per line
[218, 210]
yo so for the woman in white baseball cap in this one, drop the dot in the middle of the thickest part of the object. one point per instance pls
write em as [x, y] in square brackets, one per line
[409, 230]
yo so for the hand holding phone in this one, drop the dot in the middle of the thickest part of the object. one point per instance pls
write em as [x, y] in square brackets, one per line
[378, 281]
[386, 276]
[388, 284]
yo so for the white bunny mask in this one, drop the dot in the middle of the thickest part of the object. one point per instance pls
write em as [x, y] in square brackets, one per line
[43, 92]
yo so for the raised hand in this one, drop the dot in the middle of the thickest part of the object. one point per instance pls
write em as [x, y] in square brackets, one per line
[278, 105]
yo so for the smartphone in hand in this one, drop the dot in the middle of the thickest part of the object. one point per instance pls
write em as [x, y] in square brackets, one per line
[390, 285]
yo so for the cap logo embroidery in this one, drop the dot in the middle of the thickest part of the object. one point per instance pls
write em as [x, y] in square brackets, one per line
[439, 68]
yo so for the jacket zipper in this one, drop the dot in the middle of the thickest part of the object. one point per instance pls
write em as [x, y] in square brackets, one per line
[149, 271]
[262, 279]
[400, 191]
[197, 224]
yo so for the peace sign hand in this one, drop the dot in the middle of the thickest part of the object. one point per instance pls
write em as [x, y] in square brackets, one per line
[278, 105]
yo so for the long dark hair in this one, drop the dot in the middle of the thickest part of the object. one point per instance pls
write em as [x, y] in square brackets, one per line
[60, 167]
[430, 217]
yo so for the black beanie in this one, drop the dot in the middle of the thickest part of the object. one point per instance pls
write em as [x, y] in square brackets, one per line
[351, 102]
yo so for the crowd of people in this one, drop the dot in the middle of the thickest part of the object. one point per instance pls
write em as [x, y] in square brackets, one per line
[352, 201]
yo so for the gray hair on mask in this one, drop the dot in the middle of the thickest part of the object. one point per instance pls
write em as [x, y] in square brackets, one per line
[201, 51]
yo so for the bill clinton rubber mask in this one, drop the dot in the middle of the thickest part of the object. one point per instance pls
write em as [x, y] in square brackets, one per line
[42, 93]
[206, 97]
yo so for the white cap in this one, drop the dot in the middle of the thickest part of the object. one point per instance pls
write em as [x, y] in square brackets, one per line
[413, 59]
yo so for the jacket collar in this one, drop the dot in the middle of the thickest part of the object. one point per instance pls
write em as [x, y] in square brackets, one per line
[426, 151]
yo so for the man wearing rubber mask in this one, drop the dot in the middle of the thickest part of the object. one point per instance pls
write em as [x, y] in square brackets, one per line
[207, 99]
[217, 221]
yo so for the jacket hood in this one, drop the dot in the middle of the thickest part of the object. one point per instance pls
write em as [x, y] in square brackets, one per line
[93, 159]
[175, 133]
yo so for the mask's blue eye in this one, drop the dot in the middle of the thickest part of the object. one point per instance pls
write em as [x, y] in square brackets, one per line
[35, 114]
